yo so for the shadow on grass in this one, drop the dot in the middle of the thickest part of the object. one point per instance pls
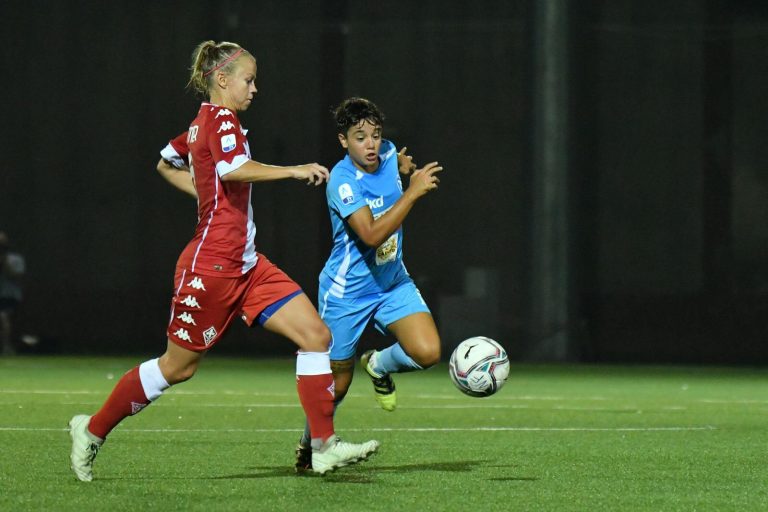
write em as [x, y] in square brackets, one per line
[365, 476]
[344, 475]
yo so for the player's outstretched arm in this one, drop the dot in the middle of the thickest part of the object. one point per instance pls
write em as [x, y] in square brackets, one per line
[180, 178]
[373, 232]
[253, 171]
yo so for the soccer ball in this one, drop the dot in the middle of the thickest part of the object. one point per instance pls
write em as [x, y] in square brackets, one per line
[479, 366]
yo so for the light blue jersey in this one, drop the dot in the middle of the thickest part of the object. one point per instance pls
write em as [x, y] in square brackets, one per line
[354, 269]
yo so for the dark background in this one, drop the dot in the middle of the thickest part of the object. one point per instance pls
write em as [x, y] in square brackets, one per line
[604, 198]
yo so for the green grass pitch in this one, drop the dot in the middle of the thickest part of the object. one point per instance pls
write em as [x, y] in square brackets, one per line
[579, 438]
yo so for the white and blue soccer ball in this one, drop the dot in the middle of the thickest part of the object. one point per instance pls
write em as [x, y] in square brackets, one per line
[479, 366]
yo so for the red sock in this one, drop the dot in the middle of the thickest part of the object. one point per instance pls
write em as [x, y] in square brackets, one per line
[316, 395]
[127, 399]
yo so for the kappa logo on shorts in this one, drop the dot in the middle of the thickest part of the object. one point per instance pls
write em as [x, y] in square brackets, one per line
[191, 301]
[183, 335]
[186, 318]
[197, 284]
[209, 334]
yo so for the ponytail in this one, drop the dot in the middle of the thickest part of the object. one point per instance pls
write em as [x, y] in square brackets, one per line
[209, 57]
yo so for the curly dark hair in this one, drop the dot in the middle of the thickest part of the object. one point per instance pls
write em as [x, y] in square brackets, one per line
[353, 110]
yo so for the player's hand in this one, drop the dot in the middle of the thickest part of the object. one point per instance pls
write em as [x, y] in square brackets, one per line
[424, 180]
[314, 173]
[405, 162]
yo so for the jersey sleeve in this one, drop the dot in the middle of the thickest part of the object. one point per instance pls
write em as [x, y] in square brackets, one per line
[343, 193]
[387, 152]
[176, 152]
[227, 142]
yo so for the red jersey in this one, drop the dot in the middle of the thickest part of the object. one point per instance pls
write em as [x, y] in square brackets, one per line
[223, 244]
[176, 152]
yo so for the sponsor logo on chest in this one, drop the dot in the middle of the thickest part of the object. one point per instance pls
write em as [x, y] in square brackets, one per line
[375, 203]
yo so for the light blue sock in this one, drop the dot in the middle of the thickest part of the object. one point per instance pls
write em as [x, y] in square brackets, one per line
[393, 359]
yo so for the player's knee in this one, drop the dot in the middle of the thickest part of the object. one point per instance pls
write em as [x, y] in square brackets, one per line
[177, 375]
[427, 355]
[187, 373]
[317, 338]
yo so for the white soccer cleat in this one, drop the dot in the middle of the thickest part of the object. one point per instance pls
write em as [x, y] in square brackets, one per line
[85, 447]
[336, 453]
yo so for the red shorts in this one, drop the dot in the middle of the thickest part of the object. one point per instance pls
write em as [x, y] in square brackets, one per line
[204, 306]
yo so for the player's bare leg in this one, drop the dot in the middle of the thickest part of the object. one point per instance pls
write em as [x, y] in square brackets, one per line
[298, 321]
[418, 347]
[417, 334]
[179, 364]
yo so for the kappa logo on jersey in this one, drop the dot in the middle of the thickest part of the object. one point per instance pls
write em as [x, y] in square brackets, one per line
[223, 112]
[191, 302]
[196, 283]
[345, 192]
[225, 125]
[209, 334]
[136, 407]
[359, 175]
[183, 335]
[375, 203]
[228, 143]
[186, 318]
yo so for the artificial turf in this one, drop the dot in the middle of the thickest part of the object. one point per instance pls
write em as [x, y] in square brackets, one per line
[563, 437]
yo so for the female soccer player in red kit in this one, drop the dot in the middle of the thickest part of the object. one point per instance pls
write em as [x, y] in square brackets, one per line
[220, 275]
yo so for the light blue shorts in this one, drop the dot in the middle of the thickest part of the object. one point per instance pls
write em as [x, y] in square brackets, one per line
[347, 317]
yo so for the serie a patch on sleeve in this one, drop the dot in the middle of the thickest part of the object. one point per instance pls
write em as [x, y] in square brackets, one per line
[228, 142]
[345, 193]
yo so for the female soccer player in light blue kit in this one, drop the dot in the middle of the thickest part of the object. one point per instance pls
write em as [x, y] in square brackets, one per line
[365, 278]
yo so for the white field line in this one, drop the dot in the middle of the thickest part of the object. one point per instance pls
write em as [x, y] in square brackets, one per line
[740, 402]
[402, 429]
[292, 395]
[175, 392]
[401, 407]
